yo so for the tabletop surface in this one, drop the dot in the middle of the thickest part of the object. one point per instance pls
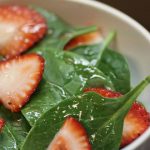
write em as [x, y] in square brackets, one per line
[137, 9]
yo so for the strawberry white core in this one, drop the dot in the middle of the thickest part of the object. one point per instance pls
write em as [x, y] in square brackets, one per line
[18, 79]
[7, 32]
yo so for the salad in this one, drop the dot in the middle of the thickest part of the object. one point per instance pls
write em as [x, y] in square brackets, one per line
[64, 87]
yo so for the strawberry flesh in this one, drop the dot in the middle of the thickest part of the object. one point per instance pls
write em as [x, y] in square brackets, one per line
[19, 78]
[103, 92]
[85, 39]
[20, 28]
[136, 121]
[72, 136]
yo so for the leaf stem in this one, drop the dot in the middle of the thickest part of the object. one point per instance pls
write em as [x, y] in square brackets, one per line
[106, 43]
[131, 96]
[84, 30]
[140, 87]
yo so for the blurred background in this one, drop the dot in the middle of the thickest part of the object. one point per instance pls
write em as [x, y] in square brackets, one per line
[137, 9]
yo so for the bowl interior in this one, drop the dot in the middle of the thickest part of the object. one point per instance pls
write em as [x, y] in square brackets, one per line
[133, 40]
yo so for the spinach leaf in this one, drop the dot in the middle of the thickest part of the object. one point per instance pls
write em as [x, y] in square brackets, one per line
[62, 69]
[7, 140]
[64, 76]
[110, 62]
[93, 52]
[102, 118]
[15, 131]
[89, 52]
[114, 65]
[46, 96]
[105, 45]
[92, 76]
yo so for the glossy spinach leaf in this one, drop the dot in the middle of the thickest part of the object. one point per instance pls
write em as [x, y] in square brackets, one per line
[65, 75]
[114, 65]
[94, 52]
[102, 118]
[89, 52]
[46, 96]
[15, 131]
[62, 69]
[7, 140]
[91, 76]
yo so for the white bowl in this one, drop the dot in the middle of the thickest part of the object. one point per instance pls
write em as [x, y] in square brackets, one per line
[133, 40]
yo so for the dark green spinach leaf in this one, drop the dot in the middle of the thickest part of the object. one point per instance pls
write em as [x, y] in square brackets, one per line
[89, 52]
[102, 118]
[114, 65]
[46, 96]
[7, 140]
[94, 52]
[64, 70]
[65, 75]
[15, 131]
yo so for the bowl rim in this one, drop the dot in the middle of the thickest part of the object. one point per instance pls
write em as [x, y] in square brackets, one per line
[134, 24]
[117, 13]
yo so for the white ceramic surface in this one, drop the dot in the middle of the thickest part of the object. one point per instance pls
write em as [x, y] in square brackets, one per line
[133, 40]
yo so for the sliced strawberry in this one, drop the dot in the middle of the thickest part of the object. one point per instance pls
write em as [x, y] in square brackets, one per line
[136, 121]
[103, 92]
[19, 78]
[2, 123]
[72, 136]
[20, 28]
[86, 39]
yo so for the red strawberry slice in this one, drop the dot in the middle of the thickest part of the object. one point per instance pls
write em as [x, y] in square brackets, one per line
[20, 28]
[19, 78]
[2, 123]
[103, 92]
[136, 121]
[86, 39]
[72, 136]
